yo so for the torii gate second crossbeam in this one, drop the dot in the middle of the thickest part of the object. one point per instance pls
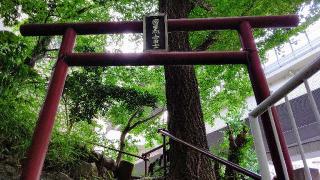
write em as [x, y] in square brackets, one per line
[248, 56]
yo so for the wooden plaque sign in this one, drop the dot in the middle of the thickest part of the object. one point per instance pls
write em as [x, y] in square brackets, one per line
[155, 33]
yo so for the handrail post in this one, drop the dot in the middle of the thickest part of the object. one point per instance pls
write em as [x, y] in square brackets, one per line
[277, 141]
[296, 133]
[42, 134]
[259, 148]
[164, 157]
[145, 166]
[312, 101]
[261, 92]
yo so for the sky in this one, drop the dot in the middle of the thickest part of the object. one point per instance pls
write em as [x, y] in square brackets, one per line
[1, 25]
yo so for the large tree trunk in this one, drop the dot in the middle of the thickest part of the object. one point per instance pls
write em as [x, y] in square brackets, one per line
[183, 104]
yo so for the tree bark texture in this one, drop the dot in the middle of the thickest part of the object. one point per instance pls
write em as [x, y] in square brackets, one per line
[236, 143]
[122, 146]
[183, 104]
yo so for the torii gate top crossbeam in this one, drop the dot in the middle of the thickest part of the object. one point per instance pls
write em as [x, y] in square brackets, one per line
[232, 23]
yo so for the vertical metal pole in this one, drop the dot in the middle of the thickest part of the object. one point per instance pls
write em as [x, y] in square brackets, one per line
[259, 147]
[296, 133]
[41, 137]
[305, 33]
[277, 56]
[261, 91]
[145, 167]
[312, 101]
[164, 157]
[292, 51]
[278, 145]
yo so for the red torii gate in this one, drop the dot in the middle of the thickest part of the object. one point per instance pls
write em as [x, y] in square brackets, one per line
[248, 56]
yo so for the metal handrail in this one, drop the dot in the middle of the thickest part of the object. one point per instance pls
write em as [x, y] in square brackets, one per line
[212, 156]
[123, 152]
[145, 154]
[295, 81]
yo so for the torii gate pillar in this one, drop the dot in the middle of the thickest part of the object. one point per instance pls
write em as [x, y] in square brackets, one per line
[261, 92]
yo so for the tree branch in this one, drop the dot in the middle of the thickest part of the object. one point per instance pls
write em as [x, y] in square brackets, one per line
[147, 119]
[80, 11]
[41, 47]
[211, 37]
[207, 42]
[39, 51]
[201, 3]
[130, 120]
[55, 49]
[248, 8]
[230, 136]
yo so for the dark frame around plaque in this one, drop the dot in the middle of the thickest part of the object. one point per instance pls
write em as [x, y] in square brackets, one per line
[163, 34]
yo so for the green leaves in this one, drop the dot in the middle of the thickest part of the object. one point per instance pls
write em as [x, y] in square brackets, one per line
[226, 87]
[21, 90]
[9, 11]
[87, 95]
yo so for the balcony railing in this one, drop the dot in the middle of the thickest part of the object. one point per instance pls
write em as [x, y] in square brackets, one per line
[265, 106]
[293, 56]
